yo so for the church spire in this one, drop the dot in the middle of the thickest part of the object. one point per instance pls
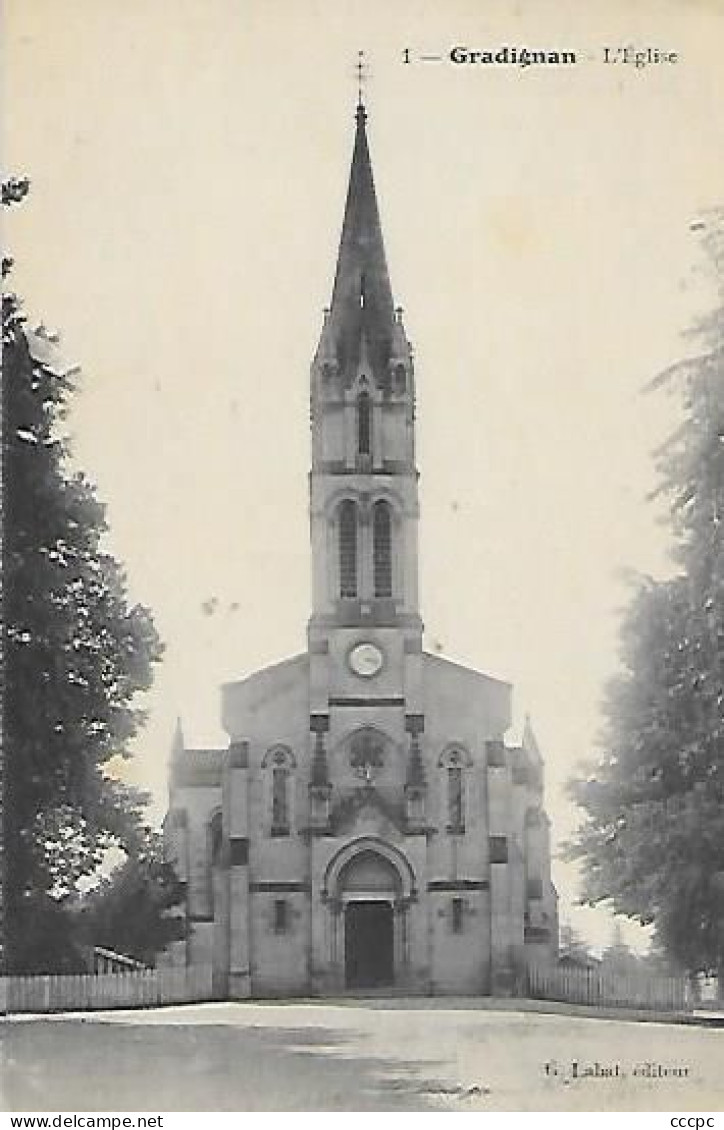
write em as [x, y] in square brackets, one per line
[363, 486]
[362, 303]
[178, 745]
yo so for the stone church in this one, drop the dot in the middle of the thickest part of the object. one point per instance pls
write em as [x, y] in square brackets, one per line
[367, 827]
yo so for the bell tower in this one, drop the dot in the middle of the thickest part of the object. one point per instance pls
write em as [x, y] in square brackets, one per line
[363, 482]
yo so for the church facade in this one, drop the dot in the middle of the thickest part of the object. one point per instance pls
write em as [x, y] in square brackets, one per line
[367, 827]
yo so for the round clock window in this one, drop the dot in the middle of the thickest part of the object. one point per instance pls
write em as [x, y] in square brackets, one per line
[365, 659]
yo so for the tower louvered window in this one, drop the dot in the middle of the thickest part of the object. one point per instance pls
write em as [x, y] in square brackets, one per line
[382, 535]
[364, 424]
[348, 549]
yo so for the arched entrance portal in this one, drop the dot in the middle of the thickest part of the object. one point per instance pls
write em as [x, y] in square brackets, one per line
[370, 888]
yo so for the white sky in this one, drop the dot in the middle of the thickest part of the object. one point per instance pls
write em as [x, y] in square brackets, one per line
[189, 164]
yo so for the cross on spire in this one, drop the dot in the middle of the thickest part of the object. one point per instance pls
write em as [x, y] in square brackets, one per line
[361, 75]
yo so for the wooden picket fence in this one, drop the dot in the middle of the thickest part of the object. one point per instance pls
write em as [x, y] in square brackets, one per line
[605, 988]
[135, 989]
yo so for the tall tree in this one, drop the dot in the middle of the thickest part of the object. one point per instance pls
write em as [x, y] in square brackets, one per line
[135, 910]
[652, 838]
[76, 654]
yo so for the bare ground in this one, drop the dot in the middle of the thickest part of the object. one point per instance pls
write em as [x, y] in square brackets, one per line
[356, 1056]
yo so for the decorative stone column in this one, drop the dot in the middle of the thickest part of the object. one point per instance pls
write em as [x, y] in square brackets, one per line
[335, 908]
[319, 787]
[365, 578]
[401, 908]
[502, 976]
[415, 784]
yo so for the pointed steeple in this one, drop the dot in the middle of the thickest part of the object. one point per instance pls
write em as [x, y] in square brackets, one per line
[362, 415]
[534, 756]
[529, 742]
[178, 746]
[362, 301]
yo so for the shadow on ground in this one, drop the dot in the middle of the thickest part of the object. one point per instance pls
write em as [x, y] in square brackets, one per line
[74, 1065]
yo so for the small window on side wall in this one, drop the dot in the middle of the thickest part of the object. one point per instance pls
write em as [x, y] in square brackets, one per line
[534, 889]
[281, 916]
[458, 913]
[498, 849]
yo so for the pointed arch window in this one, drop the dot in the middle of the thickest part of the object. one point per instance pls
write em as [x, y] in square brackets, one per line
[280, 801]
[348, 549]
[455, 803]
[382, 549]
[364, 424]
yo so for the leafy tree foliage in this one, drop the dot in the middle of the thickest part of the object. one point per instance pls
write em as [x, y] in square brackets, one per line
[76, 654]
[134, 910]
[652, 839]
[572, 947]
[619, 958]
